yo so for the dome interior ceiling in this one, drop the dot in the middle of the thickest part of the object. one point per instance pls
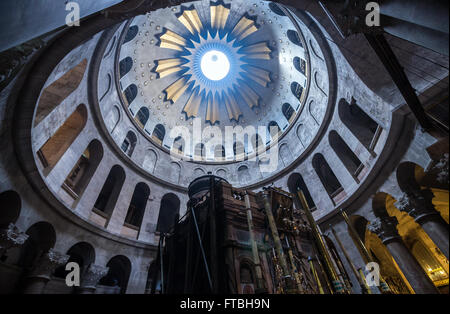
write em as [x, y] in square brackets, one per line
[164, 50]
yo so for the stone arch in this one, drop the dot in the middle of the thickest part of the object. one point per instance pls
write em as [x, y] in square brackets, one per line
[297, 90]
[131, 33]
[150, 160]
[137, 206]
[407, 176]
[142, 116]
[314, 111]
[41, 238]
[300, 65]
[288, 112]
[294, 37]
[296, 183]
[108, 87]
[363, 127]
[82, 253]
[125, 66]
[159, 133]
[302, 135]
[107, 198]
[113, 118]
[198, 172]
[222, 173]
[285, 154]
[326, 176]
[169, 212]
[244, 175]
[55, 147]
[81, 174]
[130, 94]
[11, 205]
[175, 172]
[118, 273]
[59, 90]
[379, 253]
[178, 145]
[129, 143]
[415, 182]
[276, 9]
[351, 162]
[274, 130]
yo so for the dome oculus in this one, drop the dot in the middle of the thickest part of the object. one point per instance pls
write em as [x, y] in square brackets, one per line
[215, 65]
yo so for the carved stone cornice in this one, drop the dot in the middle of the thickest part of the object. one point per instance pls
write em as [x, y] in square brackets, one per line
[11, 237]
[93, 275]
[385, 228]
[47, 264]
[417, 204]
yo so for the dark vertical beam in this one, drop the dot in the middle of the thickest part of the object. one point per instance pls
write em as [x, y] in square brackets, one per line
[392, 65]
[214, 259]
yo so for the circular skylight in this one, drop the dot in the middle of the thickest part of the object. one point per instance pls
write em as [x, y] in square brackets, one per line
[215, 65]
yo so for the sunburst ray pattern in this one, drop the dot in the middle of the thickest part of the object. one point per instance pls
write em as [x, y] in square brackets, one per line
[184, 64]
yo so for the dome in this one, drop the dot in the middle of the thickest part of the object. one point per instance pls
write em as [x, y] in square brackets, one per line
[218, 125]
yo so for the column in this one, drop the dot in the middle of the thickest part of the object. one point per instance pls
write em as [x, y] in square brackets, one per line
[91, 278]
[11, 237]
[385, 227]
[40, 275]
[418, 204]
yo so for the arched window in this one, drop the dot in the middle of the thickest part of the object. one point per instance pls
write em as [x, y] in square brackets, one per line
[219, 151]
[81, 253]
[294, 38]
[137, 206]
[244, 175]
[129, 143]
[55, 147]
[59, 90]
[345, 154]
[295, 184]
[169, 211]
[84, 169]
[119, 270]
[131, 33]
[274, 129]
[297, 90]
[363, 127]
[288, 112]
[178, 145]
[257, 143]
[159, 132]
[150, 160]
[41, 238]
[326, 175]
[300, 65]
[238, 149]
[200, 150]
[276, 9]
[110, 191]
[142, 116]
[125, 66]
[130, 93]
